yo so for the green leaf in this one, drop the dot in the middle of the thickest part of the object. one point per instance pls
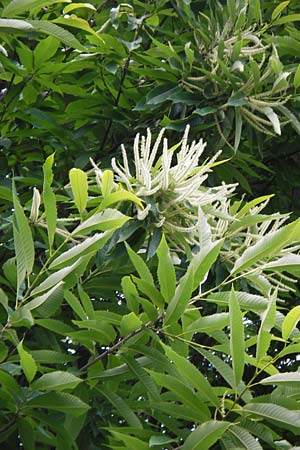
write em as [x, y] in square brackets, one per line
[129, 323]
[45, 50]
[110, 219]
[204, 436]
[297, 74]
[122, 407]
[165, 271]
[192, 375]
[75, 304]
[107, 182]
[56, 381]
[183, 393]
[145, 379]
[181, 298]
[73, 6]
[23, 240]
[89, 245]
[59, 401]
[55, 278]
[151, 292]
[86, 302]
[79, 185]
[49, 199]
[279, 8]
[131, 294]
[268, 246]
[139, 265]
[130, 442]
[282, 416]
[267, 323]
[290, 322]
[237, 338]
[290, 379]
[209, 323]
[120, 196]
[55, 325]
[16, 7]
[60, 33]
[27, 433]
[41, 299]
[27, 363]
[203, 260]
[244, 438]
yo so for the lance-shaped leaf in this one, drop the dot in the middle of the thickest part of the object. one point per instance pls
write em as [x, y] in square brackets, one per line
[237, 338]
[40, 300]
[27, 363]
[79, 185]
[210, 323]
[268, 246]
[89, 245]
[55, 278]
[244, 438]
[139, 265]
[290, 322]
[267, 323]
[56, 381]
[122, 407]
[192, 375]
[59, 401]
[269, 411]
[181, 298]
[206, 435]
[289, 263]
[290, 379]
[165, 271]
[110, 219]
[203, 261]
[120, 196]
[23, 241]
[16, 7]
[49, 199]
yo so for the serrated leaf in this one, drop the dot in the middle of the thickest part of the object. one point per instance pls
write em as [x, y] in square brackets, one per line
[203, 260]
[16, 7]
[55, 278]
[269, 411]
[237, 338]
[49, 199]
[79, 185]
[268, 246]
[165, 271]
[107, 182]
[297, 78]
[60, 33]
[89, 245]
[109, 219]
[290, 379]
[23, 240]
[59, 401]
[267, 323]
[75, 304]
[120, 196]
[139, 265]
[192, 375]
[122, 407]
[145, 379]
[279, 8]
[27, 363]
[41, 299]
[129, 323]
[205, 435]
[181, 298]
[290, 322]
[209, 323]
[56, 381]
[245, 439]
